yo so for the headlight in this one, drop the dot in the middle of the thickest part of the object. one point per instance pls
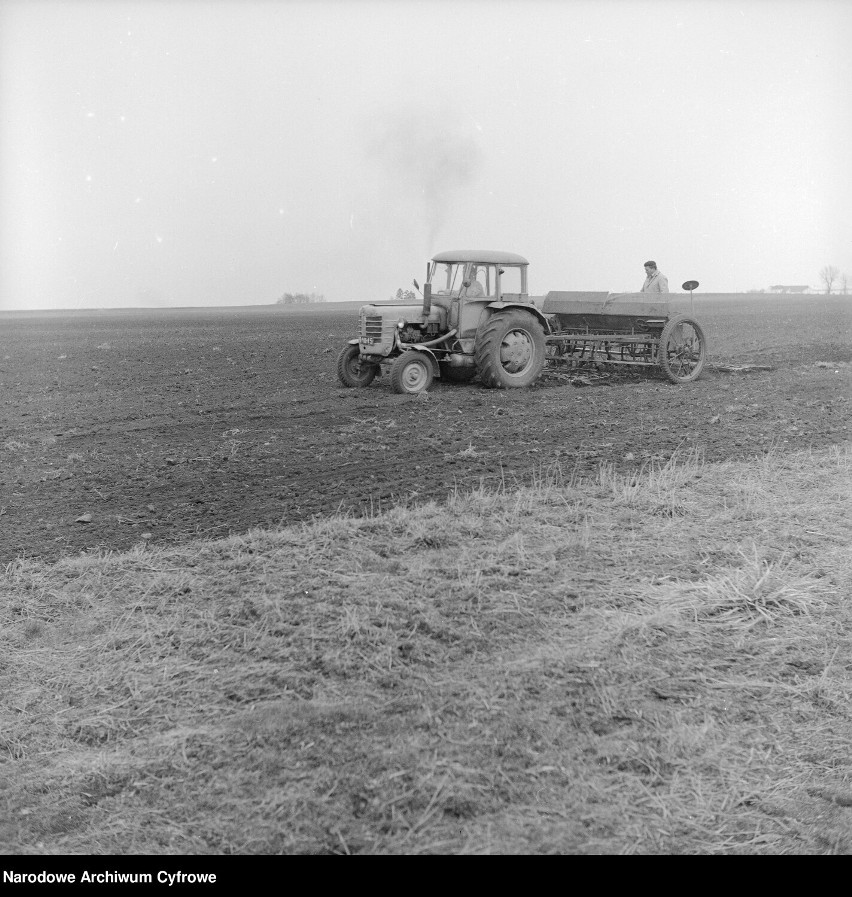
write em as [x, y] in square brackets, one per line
[400, 323]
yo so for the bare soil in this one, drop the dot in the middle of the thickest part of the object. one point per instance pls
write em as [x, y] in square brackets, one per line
[164, 425]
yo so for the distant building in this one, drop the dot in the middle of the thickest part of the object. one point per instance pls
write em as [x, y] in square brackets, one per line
[797, 288]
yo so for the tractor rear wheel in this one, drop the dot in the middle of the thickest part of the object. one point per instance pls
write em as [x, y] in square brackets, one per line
[683, 349]
[510, 350]
[411, 373]
[351, 371]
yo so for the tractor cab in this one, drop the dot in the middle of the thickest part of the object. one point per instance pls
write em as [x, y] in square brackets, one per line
[498, 274]
[468, 285]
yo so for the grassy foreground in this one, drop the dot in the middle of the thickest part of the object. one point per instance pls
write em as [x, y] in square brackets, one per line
[658, 663]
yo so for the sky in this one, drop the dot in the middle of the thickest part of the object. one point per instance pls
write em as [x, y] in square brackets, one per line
[209, 152]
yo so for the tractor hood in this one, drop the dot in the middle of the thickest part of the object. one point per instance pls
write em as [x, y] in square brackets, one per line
[403, 312]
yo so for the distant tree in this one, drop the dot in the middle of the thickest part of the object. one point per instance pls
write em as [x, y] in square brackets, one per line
[299, 298]
[828, 275]
[404, 295]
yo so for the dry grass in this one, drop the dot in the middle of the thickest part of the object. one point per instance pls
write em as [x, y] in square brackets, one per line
[647, 663]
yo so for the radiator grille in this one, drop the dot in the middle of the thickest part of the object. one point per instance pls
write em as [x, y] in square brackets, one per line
[372, 328]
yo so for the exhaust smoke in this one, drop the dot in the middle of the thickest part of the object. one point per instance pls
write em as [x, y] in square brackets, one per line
[431, 154]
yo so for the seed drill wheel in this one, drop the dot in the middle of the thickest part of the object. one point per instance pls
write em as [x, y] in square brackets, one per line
[411, 373]
[510, 350]
[351, 371]
[683, 349]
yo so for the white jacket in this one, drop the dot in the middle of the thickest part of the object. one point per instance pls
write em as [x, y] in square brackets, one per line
[655, 283]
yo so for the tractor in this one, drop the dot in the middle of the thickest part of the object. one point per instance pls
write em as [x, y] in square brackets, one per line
[476, 317]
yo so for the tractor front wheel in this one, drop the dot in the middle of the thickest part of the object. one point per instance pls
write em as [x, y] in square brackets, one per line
[411, 373]
[510, 350]
[351, 371]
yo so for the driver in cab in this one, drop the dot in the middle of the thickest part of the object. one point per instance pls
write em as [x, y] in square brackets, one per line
[471, 287]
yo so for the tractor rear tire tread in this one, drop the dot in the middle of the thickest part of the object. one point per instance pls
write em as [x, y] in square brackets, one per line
[488, 348]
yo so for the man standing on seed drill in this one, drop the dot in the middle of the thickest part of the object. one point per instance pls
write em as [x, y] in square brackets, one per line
[655, 281]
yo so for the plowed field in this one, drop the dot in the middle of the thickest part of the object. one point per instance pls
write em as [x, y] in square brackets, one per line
[164, 425]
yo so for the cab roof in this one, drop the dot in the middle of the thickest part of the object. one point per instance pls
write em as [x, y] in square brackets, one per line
[485, 256]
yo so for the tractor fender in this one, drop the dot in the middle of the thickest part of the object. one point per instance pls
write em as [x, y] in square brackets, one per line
[436, 368]
[353, 342]
[523, 306]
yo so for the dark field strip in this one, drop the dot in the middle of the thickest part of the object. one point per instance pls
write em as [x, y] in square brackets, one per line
[165, 425]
